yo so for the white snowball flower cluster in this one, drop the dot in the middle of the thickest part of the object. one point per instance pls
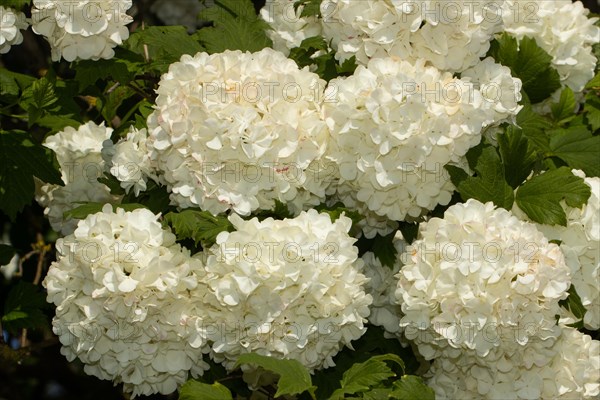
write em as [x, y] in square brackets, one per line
[477, 280]
[129, 160]
[288, 27]
[289, 289]
[78, 152]
[180, 12]
[121, 286]
[385, 311]
[580, 243]
[560, 27]
[81, 30]
[566, 367]
[396, 124]
[238, 131]
[11, 23]
[450, 35]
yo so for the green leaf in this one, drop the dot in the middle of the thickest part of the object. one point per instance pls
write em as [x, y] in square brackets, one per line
[235, 27]
[21, 161]
[517, 155]
[294, 378]
[591, 109]
[312, 8]
[37, 98]
[528, 62]
[201, 226]
[11, 83]
[578, 148]
[280, 211]
[564, 110]
[534, 128]
[540, 196]
[57, 123]
[384, 249]
[88, 72]
[24, 307]
[82, 211]
[194, 390]
[165, 45]
[361, 377]
[6, 253]
[155, 198]
[489, 184]
[411, 387]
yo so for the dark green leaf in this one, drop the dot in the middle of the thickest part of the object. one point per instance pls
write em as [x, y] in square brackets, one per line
[310, 7]
[564, 110]
[384, 249]
[24, 307]
[578, 148]
[194, 390]
[489, 184]
[235, 27]
[517, 155]
[294, 378]
[21, 161]
[201, 226]
[591, 109]
[574, 305]
[540, 196]
[534, 128]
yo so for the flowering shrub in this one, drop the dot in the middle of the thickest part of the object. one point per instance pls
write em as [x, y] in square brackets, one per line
[320, 199]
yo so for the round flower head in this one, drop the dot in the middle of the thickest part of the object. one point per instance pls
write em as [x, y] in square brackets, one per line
[289, 289]
[395, 126]
[478, 278]
[564, 367]
[451, 36]
[78, 152]
[11, 23]
[238, 131]
[560, 27]
[81, 30]
[121, 286]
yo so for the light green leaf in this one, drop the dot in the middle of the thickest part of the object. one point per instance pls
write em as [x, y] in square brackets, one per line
[38, 98]
[490, 183]
[517, 155]
[564, 110]
[201, 226]
[294, 378]
[540, 196]
[21, 161]
[411, 387]
[236, 27]
[194, 390]
[578, 148]
[528, 62]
